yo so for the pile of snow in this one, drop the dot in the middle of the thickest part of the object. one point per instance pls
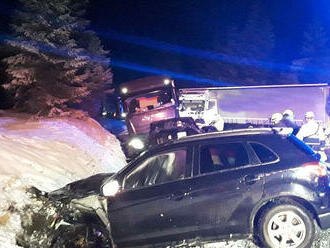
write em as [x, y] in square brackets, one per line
[48, 154]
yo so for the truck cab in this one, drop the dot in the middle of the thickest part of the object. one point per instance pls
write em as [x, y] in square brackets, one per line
[202, 106]
[147, 100]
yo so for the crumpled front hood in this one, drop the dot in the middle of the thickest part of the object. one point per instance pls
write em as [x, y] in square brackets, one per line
[81, 188]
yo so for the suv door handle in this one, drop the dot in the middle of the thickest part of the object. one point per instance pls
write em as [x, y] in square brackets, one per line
[250, 179]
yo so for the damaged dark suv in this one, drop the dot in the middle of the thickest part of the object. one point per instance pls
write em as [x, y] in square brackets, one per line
[219, 185]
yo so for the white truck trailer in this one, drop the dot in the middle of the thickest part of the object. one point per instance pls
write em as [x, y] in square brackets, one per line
[245, 106]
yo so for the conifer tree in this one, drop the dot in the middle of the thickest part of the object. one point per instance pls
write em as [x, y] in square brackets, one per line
[255, 39]
[59, 62]
[246, 50]
[253, 45]
[316, 40]
[314, 64]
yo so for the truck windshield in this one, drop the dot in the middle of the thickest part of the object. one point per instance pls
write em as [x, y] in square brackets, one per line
[148, 101]
[212, 104]
[193, 105]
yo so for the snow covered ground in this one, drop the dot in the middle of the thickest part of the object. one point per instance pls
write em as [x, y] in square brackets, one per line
[48, 154]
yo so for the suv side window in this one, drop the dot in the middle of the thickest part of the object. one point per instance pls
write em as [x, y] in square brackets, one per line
[157, 169]
[222, 156]
[264, 154]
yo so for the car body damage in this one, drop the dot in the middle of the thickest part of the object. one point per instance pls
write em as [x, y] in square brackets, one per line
[83, 223]
[72, 216]
[81, 188]
[85, 213]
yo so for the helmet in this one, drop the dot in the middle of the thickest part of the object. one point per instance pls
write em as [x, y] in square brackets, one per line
[288, 113]
[309, 114]
[276, 118]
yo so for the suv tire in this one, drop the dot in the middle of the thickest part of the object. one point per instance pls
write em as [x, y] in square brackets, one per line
[286, 225]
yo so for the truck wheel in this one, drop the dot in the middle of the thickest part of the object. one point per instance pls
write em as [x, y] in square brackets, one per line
[286, 225]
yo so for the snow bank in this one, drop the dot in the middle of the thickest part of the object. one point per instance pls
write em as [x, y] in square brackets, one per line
[48, 154]
[51, 153]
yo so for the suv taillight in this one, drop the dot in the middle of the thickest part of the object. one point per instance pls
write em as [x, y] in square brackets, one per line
[317, 168]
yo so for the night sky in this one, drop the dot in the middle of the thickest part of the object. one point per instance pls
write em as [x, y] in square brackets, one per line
[188, 23]
[193, 24]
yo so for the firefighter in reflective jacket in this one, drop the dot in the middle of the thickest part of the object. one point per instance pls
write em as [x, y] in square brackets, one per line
[311, 131]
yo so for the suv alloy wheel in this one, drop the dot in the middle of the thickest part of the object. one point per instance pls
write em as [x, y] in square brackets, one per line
[286, 225]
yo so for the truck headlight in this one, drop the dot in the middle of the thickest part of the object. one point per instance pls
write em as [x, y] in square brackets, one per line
[124, 90]
[136, 143]
[110, 188]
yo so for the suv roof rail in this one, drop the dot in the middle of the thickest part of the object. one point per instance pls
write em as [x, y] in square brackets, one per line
[233, 132]
[284, 131]
[245, 131]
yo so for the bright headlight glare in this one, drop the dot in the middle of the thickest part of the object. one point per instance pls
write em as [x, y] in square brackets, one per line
[110, 188]
[124, 90]
[123, 115]
[167, 81]
[136, 143]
